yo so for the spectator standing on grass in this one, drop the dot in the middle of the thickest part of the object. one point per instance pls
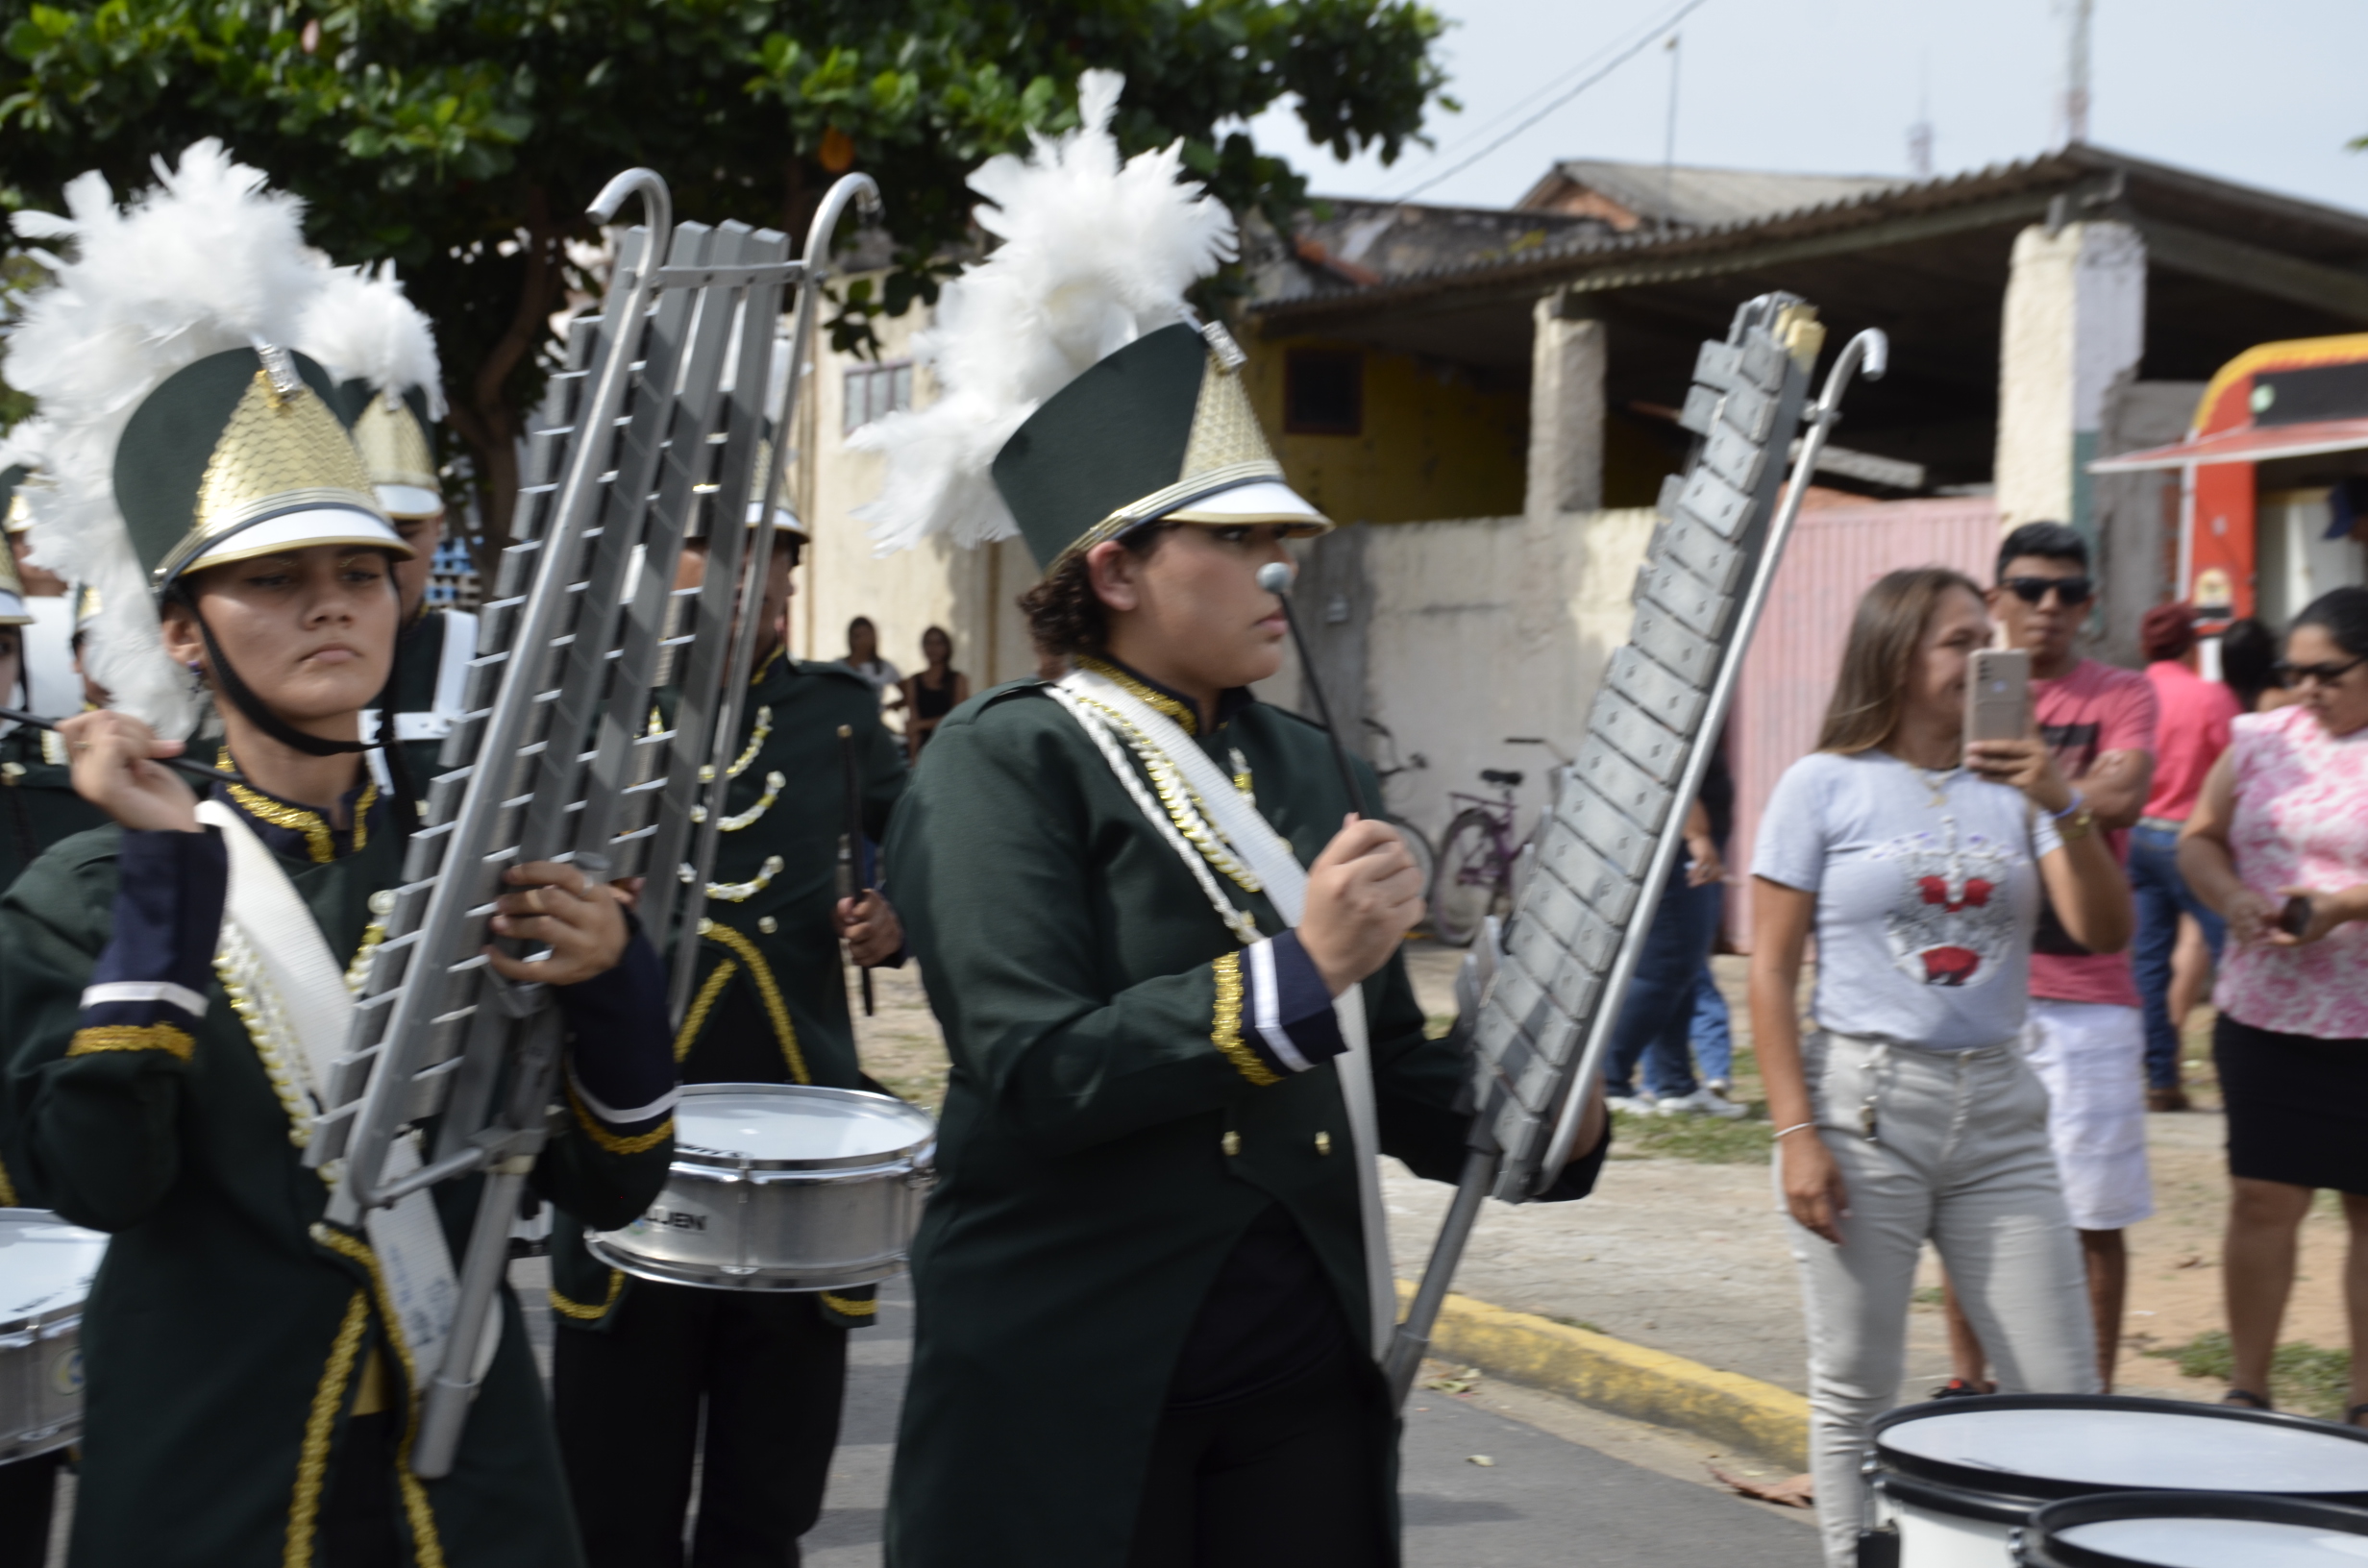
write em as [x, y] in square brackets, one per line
[1908, 1114]
[935, 691]
[2085, 1035]
[2191, 730]
[1656, 1017]
[2283, 821]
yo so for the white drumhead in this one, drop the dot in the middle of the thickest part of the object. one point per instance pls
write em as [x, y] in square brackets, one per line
[45, 1263]
[2218, 1543]
[786, 1125]
[2138, 1450]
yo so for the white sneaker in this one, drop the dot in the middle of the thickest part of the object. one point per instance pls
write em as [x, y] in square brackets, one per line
[1638, 1103]
[1701, 1102]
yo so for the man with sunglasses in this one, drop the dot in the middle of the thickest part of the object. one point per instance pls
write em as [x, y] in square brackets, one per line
[2085, 1034]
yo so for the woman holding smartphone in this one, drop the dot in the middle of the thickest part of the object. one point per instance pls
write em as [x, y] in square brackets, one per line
[1906, 1113]
[2278, 844]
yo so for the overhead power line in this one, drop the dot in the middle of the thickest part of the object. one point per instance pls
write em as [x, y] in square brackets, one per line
[1606, 69]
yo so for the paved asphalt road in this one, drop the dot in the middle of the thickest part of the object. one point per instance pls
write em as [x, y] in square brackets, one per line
[1546, 1503]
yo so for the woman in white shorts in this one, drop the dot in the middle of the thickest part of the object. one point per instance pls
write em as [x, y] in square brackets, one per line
[1908, 1112]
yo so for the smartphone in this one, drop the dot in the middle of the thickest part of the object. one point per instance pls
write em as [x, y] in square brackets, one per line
[2295, 918]
[1998, 695]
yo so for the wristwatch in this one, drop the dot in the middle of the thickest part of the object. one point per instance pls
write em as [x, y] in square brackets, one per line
[2082, 822]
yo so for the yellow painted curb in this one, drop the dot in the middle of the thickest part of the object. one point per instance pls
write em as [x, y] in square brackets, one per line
[1627, 1380]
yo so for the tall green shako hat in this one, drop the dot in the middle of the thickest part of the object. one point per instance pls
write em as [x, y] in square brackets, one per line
[178, 432]
[1077, 398]
[381, 349]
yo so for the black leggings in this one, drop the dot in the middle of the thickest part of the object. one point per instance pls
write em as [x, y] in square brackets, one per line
[1288, 1479]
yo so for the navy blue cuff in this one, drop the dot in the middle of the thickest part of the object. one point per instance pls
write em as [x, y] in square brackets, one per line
[1287, 1016]
[157, 964]
[620, 1057]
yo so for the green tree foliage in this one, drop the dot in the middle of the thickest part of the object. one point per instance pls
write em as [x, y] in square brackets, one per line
[463, 138]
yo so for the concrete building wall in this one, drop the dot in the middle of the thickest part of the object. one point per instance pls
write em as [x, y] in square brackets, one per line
[2075, 329]
[1436, 441]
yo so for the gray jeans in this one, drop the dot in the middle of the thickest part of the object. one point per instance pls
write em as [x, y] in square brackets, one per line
[1958, 1156]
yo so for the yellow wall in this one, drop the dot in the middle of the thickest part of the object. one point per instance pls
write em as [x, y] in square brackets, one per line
[1433, 445]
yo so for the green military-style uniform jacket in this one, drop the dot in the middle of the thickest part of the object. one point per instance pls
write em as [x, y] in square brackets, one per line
[770, 1006]
[419, 664]
[1109, 1134]
[230, 1329]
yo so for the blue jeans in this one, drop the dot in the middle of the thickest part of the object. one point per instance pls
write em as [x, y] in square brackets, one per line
[1657, 1014]
[2161, 896]
[1713, 1041]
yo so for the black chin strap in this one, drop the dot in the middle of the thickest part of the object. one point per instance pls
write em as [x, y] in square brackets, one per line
[243, 699]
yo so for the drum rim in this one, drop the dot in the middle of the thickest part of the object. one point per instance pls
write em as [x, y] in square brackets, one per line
[2100, 1508]
[853, 1277]
[50, 1318]
[2039, 1488]
[697, 1158]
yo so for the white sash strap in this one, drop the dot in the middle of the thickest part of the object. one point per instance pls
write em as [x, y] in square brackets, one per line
[1269, 858]
[308, 994]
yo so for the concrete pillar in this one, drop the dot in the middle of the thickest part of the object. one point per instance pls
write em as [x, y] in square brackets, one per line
[1565, 407]
[2074, 328]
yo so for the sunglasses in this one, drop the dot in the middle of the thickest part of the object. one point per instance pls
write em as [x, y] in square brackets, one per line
[2325, 674]
[2069, 591]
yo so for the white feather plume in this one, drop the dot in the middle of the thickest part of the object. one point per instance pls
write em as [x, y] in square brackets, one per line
[360, 327]
[1095, 254]
[206, 260]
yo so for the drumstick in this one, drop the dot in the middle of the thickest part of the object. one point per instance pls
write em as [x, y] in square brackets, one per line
[850, 834]
[204, 772]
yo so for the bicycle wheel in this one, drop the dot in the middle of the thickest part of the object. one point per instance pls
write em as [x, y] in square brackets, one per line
[1426, 862]
[1464, 887]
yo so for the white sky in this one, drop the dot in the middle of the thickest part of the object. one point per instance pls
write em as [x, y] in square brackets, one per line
[2265, 93]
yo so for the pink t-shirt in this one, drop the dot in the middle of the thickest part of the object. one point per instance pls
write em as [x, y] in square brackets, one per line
[2301, 821]
[2190, 733]
[2092, 709]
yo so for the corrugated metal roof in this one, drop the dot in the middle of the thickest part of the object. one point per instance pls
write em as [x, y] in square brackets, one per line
[1699, 198]
[2214, 205]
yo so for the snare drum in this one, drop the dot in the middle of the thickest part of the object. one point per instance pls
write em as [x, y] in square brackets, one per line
[46, 1267]
[2192, 1530]
[783, 1186]
[1955, 1478]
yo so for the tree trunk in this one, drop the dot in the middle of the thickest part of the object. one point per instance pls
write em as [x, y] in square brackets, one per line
[484, 416]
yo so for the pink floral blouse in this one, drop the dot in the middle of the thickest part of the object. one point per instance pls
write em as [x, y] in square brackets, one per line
[2301, 821]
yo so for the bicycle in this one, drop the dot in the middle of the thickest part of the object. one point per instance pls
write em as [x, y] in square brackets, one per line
[1417, 844]
[1480, 860]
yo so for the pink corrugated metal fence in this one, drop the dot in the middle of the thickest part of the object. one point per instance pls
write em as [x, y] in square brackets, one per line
[1835, 554]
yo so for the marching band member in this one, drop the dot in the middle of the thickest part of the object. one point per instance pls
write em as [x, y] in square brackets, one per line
[1152, 1279]
[389, 392]
[38, 803]
[635, 1359]
[252, 1377]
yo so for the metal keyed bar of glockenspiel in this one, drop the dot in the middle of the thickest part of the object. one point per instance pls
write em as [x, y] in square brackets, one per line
[722, 726]
[707, 409]
[421, 997]
[1869, 350]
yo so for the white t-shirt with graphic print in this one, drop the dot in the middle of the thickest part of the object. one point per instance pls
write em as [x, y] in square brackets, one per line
[1925, 905]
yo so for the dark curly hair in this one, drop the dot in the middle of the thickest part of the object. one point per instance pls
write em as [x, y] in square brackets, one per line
[1065, 616]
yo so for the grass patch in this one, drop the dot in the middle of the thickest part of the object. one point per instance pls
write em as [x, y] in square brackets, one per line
[1575, 1323]
[1929, 1295]
[1706, 1139]
[2302, 1378]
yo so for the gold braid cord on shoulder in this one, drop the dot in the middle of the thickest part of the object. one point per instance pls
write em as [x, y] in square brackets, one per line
[427, 1545]
[767, 989]
[618, 1142]
[304, 1510]
[703, 1004]
[1226, 1024]
[848, 1306]
[584, 1311]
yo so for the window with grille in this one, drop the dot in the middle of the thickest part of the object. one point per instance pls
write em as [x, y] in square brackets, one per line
[874, 391]
[1323, 392]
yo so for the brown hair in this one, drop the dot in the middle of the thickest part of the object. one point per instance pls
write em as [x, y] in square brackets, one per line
[1063, 614]
[1880, 657]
